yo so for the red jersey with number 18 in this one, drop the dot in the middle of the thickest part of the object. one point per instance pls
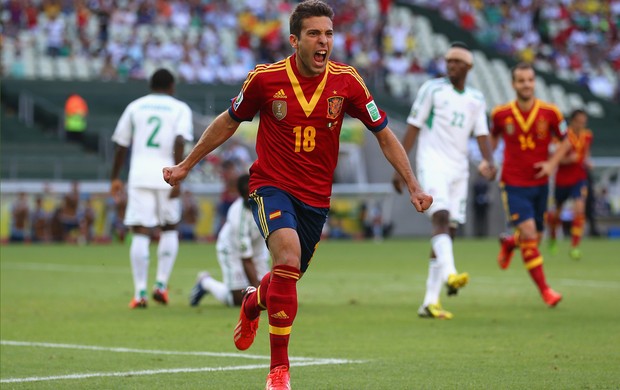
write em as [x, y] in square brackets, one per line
[527, 136]
[299, 129]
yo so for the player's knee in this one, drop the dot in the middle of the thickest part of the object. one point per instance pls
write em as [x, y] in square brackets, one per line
[441, 220]
[289, 260]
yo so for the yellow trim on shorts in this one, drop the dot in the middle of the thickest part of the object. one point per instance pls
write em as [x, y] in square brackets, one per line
[262, 218]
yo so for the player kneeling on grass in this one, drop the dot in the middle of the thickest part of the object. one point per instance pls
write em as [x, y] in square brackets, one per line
[241, 252]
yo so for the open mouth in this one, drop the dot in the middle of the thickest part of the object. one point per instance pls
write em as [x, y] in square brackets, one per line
[320, 56]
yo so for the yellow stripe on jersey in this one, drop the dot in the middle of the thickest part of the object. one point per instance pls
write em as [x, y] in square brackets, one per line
[554, 108]
[307, 106]
[263, 68]
[524, 124]
[499, 108]
[341, 69]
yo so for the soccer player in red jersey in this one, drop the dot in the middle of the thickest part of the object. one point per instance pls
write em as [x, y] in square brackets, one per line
[302, 101]
[527, 126]
[571, 182]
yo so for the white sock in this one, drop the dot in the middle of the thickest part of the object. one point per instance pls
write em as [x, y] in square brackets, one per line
[433, 283]
[139, 255]
[219, 290]
[442, 246]
[166, 255]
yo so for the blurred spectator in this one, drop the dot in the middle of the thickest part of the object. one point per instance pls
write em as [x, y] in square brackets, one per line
[39, 222]
[18, 67]
[20, 213]
[55, 33]
[119, 204]
[436, 67]
[482, 201]
[108, 70]
[68, 214]
[238, 153]
[86, 220]
[229, 173]
[600, 85]
[602, 205]
[397, 64]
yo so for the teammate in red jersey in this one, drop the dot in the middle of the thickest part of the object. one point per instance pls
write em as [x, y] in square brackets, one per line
[302, 101]
[528, 125]
[571, 182]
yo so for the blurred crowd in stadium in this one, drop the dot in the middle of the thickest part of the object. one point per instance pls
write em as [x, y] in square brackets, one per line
[211, 41]
[577, 39]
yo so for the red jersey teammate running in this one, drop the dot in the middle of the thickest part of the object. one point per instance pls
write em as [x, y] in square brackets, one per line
[302, 101]
[571, 182]
[527, 126]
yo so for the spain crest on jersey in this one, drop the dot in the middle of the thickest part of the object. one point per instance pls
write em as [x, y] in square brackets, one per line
[542, 128]
[509, 125]
[334, 106]
[278, 107]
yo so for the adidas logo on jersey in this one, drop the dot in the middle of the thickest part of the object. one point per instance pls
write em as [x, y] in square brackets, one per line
[279, 95]
[281, 315]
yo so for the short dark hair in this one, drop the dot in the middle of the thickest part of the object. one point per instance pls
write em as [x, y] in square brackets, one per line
[307, 9]
[161, 80]
[576, 112]
[460, 44]
[520, 66]
[243, 186]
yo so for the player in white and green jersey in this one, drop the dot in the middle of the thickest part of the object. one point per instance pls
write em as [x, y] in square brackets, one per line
[445, 114]
[156, 126]
[241, 252]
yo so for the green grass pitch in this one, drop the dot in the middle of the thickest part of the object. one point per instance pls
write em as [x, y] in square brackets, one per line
[65, 322]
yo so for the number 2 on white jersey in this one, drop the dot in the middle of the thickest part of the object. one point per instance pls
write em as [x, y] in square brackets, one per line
[156, 122]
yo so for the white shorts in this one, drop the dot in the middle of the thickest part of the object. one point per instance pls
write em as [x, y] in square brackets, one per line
[233, 274]
[151, 208]
[449, 191]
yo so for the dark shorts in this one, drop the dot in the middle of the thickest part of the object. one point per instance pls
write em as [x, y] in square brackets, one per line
[274, 209]
[576, 191]
[523, 203]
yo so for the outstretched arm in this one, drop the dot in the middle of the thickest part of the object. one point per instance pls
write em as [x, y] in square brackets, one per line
[408, 141]
[396, 155]
[221, 129]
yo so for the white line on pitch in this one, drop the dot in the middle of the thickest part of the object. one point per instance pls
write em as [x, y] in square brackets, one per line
[147, 351]
[315, 362]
